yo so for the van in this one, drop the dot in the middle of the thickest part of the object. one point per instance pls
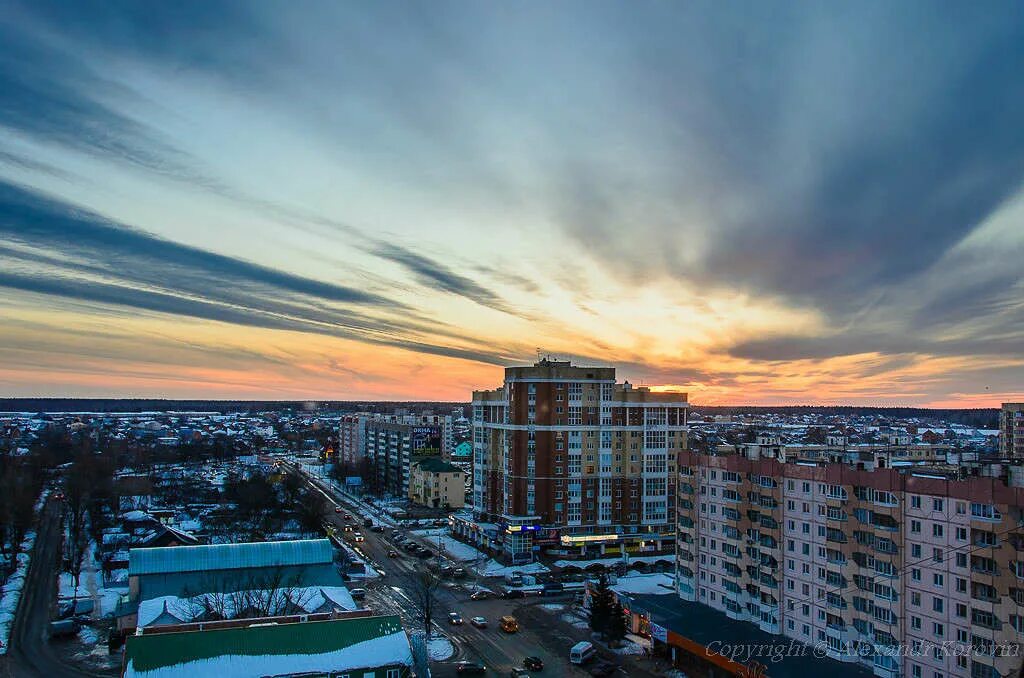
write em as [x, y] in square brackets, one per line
[509, 624]
[581, 652]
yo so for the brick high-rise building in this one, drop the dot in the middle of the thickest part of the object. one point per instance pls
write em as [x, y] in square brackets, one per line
[1011, 431]
[565, 458]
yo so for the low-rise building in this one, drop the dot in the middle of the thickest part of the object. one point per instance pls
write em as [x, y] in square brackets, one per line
[365, 646]
[436, 483]
[229, 581]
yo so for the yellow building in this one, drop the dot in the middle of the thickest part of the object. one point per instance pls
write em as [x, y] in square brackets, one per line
[435, 483]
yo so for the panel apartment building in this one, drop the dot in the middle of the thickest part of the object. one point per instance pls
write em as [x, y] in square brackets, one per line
[1011, 431]
[567, 460]
[394, 441]
[900, 570]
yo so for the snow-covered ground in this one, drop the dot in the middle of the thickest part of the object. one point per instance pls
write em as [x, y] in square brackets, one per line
[16, 582]
[450, 547]
[575, 621]
[440, 648]
[495, 569]
[656, 584]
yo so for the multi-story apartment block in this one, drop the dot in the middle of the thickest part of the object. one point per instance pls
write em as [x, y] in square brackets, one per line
[565, 458]
[352, 437]
[913, 572]
[394, 441]
[1011, 431]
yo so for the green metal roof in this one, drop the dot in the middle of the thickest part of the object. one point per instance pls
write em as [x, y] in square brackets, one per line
[435, 465]
[229, 556]
[156, 651]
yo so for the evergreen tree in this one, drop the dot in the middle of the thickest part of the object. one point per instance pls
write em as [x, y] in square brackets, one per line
[616, 623]
[600, 606]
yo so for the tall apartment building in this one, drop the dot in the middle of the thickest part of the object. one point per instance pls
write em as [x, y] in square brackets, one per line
[901, 570]
[566, 459]
[352, 437]
[1011, 431]
[393, 442]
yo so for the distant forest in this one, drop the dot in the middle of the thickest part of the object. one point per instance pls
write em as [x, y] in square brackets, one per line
[979, 418]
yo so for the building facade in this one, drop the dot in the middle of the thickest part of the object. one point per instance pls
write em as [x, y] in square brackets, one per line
[565, 459]
[393, 442]
[352, 438]
[916, 572]
[1011, 431]
[436, 483]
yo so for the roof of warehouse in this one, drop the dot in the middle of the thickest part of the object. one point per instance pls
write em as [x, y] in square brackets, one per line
[230, 556]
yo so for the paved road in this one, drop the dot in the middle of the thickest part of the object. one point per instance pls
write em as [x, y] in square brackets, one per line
[31, 654]
[497, 650]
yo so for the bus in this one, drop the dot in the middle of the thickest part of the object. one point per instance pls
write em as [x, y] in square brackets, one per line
[581, 652]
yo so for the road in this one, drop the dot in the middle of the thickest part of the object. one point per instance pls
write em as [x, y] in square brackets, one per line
[497, 650]
[31, 653]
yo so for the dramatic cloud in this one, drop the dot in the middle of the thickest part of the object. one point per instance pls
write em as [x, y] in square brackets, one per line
[755, 202]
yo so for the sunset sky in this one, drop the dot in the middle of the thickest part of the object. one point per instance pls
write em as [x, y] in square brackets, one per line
[754, 202]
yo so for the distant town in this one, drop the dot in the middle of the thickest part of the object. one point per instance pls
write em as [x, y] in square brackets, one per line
[563, 519]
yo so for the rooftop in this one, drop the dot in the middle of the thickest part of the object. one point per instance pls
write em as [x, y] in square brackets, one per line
[705, 625]
[230, 556]
[314, 647]
[436, 465]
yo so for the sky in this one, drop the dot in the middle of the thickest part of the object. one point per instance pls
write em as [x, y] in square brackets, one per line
[755, 203]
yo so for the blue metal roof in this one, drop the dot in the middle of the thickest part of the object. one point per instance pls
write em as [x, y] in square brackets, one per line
[229, 556]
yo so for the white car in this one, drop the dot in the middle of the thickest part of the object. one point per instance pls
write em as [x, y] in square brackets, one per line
[479, 622]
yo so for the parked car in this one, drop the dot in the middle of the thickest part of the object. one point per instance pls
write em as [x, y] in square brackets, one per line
[534, 663]
[367, 522]
[424, 553]
[513, 593]
[518, 673]
[357, 594]
[459, 572]
[479, 622]
[470, 668]
[455, 618]
[377, 528]
[396, 533]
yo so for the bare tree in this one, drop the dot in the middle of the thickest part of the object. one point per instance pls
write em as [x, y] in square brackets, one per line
[265, 594]
[423, 590]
